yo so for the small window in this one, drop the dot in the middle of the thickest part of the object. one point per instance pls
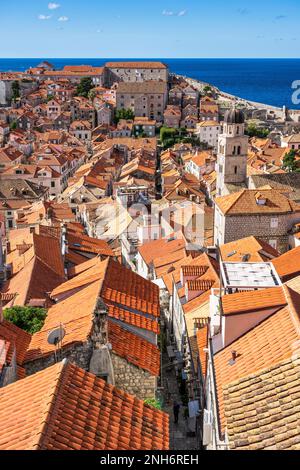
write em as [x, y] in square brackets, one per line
[273, 244]
[274, 222]
[235, 170]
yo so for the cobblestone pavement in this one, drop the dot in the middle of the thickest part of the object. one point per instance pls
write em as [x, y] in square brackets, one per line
[179, 440]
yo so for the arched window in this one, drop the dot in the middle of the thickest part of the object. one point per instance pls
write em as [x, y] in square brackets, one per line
[239, 150]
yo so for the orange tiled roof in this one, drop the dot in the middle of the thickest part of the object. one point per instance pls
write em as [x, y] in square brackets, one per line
[34, 281]
[66, 408]
[200, 284]
[288, 264]
[74, 258]
[134, 349]
[17, 340]
[115, 311]
[245, 302]
[155, 249]
[194, 270]
[75, 314]
[272, 341]
[123, 286]
[256, 248]
[81, 242]
[202, 343]
[80, 268]
[245, 202]
[262, 410]
[120, 285]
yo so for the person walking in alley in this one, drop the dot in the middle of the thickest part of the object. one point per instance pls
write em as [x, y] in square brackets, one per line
[176, 408]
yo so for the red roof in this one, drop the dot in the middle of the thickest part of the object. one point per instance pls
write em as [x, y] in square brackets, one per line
[134, 349]
[66, 408]
[15, 340]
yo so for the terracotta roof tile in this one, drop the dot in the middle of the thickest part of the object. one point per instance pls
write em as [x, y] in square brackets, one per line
[155, 249]
[75, 314]
[245, 302]
[200, 284]
[288, 264]
[257, 249]
[245, 202]
[134, 349]
[120, 285]
[270, 342]
[202, 343]
[17, 339]
[66, 408]
[140, 321]
[39, 269]
[263, 410]
[80, 242]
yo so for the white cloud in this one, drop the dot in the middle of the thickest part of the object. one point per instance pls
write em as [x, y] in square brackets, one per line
[168, 13]
[53, 6]
[174, 13]
[44, 17]
[63, 18]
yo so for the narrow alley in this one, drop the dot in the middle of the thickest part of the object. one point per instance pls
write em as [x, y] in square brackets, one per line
[179, 436]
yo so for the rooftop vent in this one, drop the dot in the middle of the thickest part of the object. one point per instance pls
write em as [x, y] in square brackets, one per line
[234, 356]
[260, 199]
[232, 253]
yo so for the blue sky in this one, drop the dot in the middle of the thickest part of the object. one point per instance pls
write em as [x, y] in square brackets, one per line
[155, 28]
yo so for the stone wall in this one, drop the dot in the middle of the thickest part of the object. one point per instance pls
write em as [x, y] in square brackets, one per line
[260, 226]
[79, 354]
[132, 379]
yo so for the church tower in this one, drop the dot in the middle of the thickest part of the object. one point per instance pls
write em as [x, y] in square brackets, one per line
[232, 153]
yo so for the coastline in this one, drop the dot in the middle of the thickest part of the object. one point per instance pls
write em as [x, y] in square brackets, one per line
[199, 85]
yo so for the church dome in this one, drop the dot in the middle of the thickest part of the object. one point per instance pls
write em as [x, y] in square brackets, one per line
[234, 116]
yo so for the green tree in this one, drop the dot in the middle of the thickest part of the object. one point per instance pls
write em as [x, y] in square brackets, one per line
[290, 163]
[153, 402]
[84, 87]
[253, 131]
[13, 125]
[30, 319]
[15, 88]
[127, 114]
[207, 89]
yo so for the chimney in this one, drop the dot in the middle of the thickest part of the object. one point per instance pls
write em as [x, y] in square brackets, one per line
[234, 355]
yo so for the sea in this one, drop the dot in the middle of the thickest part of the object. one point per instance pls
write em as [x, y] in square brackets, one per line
[267, 81]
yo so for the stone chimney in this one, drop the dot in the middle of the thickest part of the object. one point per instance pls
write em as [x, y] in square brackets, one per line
[101, 362]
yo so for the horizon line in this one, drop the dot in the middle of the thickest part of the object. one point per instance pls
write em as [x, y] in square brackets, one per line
[160, 58]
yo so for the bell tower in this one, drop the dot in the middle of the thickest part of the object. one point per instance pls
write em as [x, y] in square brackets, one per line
[232, 152]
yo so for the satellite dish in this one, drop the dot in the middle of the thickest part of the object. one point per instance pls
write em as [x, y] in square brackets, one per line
[56, 336]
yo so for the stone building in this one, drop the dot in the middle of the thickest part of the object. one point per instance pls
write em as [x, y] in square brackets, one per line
[266, 213]
[109, 318]
[232, 154]
[135, 72]
[208, 132]
[145, 99]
